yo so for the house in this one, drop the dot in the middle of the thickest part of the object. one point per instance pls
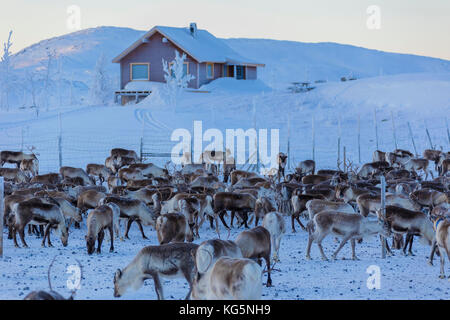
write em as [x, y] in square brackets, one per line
[207, 58]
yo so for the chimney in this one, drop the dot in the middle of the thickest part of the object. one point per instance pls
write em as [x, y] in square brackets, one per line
[193, 29]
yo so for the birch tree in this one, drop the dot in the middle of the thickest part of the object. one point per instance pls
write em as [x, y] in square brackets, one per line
[5, 72]
[175, 76]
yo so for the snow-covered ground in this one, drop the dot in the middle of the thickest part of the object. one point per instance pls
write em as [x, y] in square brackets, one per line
[89, 132]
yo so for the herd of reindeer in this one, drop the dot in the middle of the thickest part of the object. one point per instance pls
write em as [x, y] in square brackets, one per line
[176, 202]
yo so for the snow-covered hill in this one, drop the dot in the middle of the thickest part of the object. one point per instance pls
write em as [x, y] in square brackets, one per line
[286, 61]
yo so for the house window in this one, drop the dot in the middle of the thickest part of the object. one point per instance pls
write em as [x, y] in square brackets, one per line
[140, 71]
[185, 68]
[210, 70]
[225, 71]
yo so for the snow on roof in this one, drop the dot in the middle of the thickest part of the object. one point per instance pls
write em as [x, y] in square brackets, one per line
[204, 47]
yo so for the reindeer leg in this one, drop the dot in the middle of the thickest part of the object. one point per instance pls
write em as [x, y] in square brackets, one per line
[30, 230]
[407, 239]
[442, 253]
[158, 287]
[46, 231]
[410, 246]
[433, 250]
[22, 237]
[343, 242]
[188, 277]
[48, 238]
[319, 244]
[111, 233]
[129, 222]
[15, 237]
[308, 247]
[232, 218]
[293, 223]
[101, 236]
[223, 220]
[299, 222]
[141, 229]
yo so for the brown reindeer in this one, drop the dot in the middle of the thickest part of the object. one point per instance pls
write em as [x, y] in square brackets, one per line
[236, 175]
[409, 222]
[378, 156]
[133, 210]
[73, 173]
[49, 178]
[345, 225]
[299, 205]
[432, 155]
[306, 167]
[428, 197]
[256, 244]
[317, 205]
[89, 199]
[30, 166]
[370, 203]
[174, 227]
[368, 170]
[441, 226]
[263, 205]
[415, 164]
[99, 219]
[167, 261]
[124, 153]
[282, 161]
[239, 202]
[13, 174]
[99, 170]
[15, 157]
[36, 212]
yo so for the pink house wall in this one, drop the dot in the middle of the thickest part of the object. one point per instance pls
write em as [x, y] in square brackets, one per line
[153, 52]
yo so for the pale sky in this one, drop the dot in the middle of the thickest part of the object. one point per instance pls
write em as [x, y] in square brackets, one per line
[408, 26]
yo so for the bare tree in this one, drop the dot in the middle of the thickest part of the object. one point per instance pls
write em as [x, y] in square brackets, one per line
[177, 78]
[5, 70]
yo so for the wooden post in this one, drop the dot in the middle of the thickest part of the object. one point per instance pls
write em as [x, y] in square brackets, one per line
[60, 141]
[2, 211]
[429, 138]
[345, 160]
[448, 131]
[383, 212]
[412, 138]
[288, 142]
[339, 144]
[393, 130]
[376, 126]
[313, 141]
[359, 139]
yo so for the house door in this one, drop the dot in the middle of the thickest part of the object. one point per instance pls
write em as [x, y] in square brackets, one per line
[240, 72]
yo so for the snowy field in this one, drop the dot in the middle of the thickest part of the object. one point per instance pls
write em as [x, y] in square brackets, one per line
[89, 132]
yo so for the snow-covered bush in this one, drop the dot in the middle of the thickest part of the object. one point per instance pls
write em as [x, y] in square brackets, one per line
[100, 91]
[176, 78]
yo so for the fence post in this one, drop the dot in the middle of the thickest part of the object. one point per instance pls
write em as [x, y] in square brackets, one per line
[2, 211]
[376, 126]
[313, 141]
[429, 138]
[393, 130]
[412, 138]
[339, 144]
[21, 139]
[448, 131]
[60, 141]
[345, 160]
[288, 143]
[383, 212]
[359, 138]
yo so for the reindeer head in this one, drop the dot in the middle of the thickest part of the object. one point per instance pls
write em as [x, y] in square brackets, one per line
[90, 244]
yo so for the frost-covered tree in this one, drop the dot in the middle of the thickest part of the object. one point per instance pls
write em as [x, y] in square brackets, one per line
[5, 76]
[100, 91]
[176, 77]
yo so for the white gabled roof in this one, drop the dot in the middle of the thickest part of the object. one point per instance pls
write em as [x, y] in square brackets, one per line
[204, 47]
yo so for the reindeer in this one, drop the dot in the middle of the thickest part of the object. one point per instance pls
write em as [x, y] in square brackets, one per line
[49, 178]
[126, 174]
[443, 166]
[36, 212]
[256, 244]
[133, 210]
[229, 279]
[428, 198]
[150, 170]
[306, 167]
[99, 219]
[441, 226]
[282, 161]
[317, 205]
[299, 205]
[274, 223]
[315, 178]
[67, 209]
[167, 261]
[415, 164]
[345, 225]
[13, 174]
[371, 203]
[71, 172]
[236, 175]
[368, 170]
[89, 199]
[263, 205]
[174, 227]
[100, 171]
[411, 223]
[15, 157]
[398, 159]
[113, 163]
[240, 202]
[209, 251]
[378, 156]
[432, 155]
[249, 182]
[124, 153]
[30, 166]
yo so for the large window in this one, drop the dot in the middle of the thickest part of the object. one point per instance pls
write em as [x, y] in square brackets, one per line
[140, 71]
[210, 70]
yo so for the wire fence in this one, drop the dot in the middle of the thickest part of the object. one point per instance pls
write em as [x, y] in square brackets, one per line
[319, 139]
